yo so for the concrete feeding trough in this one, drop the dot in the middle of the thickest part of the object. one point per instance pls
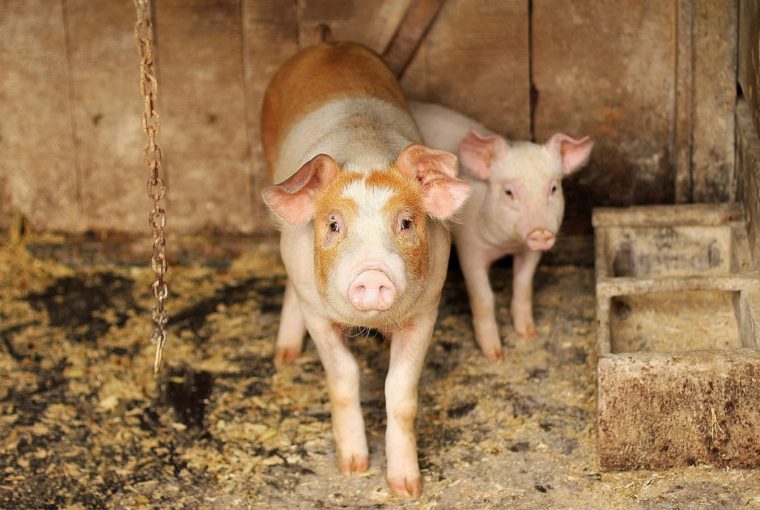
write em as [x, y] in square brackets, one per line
[678, 372]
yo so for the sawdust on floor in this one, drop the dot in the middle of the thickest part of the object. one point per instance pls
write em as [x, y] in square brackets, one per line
[84, 424]
[674, 322]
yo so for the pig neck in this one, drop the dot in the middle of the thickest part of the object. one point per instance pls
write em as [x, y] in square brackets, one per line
[479, 226]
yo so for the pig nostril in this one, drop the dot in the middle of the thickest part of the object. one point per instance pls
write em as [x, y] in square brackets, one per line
[372, 290]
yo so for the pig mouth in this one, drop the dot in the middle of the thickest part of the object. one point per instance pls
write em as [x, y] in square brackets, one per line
[540, 239]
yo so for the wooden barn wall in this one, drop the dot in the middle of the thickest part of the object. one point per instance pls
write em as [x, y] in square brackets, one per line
[652, 82]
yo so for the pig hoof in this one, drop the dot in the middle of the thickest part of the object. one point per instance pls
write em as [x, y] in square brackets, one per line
[357, 463]
[494, 354]
[407, 486]
[285, 355]
[529, 330]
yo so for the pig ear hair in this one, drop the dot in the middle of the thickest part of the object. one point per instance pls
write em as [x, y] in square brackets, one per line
[478, 152]
[293, 199]
[573, 153]
[435, 171]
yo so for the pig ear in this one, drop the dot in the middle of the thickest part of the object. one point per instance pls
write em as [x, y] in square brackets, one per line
[293, 199]
[478, 152]
[442, 192]
[573, 153]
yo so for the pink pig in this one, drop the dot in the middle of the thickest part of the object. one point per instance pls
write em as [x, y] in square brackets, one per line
[361, 207]
[516, 207]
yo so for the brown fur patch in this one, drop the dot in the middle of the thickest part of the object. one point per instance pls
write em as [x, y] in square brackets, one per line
[315, 76]
[407, 197]
[327, 201]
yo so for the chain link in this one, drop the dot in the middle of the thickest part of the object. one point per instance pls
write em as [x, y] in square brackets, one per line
[155, 186]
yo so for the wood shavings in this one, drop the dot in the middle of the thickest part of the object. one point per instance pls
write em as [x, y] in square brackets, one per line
[84, 424]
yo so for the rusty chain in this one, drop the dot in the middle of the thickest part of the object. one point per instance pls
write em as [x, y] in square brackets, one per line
[156, 186]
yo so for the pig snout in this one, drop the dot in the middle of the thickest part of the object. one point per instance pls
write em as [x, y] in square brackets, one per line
[372, 290]
[541, 240]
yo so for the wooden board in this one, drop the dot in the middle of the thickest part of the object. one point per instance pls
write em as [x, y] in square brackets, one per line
[107, 114]
[37, 152]
[606, 69]
[658, 411]
[749, 55]
[713, 99]
[682, 129]
[202, 103]
[270, 36]
[475, 59]
[748, 170]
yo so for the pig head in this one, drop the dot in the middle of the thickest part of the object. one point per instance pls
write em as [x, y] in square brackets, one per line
[523, 201]
[370, 235]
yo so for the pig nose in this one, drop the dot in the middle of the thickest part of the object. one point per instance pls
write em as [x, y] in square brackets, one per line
[540, 240]
[372, 290]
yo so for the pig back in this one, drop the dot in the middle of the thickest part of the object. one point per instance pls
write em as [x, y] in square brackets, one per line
[313, 78]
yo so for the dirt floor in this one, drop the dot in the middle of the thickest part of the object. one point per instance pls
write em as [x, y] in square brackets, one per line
[84, 424]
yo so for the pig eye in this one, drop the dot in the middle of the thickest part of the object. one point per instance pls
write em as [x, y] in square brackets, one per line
[509, 193]
[335, 225]
[553, 189]
[406, 224]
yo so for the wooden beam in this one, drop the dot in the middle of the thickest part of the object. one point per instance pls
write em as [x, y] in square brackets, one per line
[714, 97]
[416, 22]
[683, 128]
[748, 170]
[749, 56]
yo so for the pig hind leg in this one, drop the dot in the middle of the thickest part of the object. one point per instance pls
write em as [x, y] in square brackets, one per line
[342, 372]
[475, 271]
[408, 348]
[292, 329]
[523, 269]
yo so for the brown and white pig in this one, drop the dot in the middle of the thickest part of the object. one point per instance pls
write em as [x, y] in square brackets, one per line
[516, 207]
[361, 207]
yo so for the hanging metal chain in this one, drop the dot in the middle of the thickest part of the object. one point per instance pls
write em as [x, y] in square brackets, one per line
[156, 185]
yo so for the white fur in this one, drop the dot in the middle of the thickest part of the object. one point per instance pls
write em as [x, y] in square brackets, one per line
[443, 128]
[359, 133]
[492, 225]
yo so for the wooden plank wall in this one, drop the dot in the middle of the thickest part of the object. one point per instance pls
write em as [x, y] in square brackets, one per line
[653, 82]
[476, 59]
[619, 93]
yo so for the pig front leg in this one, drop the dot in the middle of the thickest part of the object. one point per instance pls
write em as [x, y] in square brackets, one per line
[475, 270]
[523, 269]
[342, 373]
[292, 329]
[408, 348]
